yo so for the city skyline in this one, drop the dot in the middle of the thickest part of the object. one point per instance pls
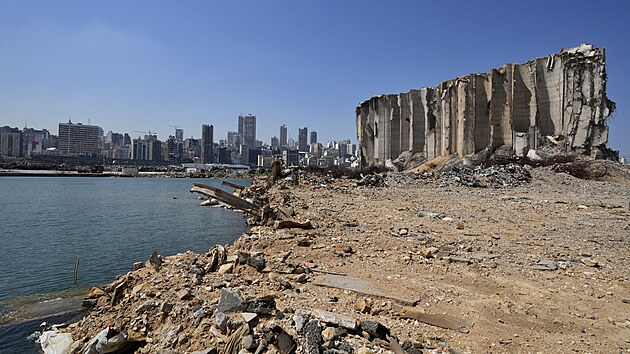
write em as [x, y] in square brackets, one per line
[124, 68]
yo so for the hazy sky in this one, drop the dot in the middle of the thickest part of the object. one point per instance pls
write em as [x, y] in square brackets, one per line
[146, 65]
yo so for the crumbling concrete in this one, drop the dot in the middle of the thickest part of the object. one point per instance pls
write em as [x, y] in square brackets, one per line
[558, 100]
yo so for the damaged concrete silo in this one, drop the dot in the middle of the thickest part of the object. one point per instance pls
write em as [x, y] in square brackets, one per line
[557, 100]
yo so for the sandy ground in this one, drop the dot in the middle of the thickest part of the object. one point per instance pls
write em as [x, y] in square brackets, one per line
[460, 251]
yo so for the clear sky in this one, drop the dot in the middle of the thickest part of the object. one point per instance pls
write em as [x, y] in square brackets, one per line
[146, 65]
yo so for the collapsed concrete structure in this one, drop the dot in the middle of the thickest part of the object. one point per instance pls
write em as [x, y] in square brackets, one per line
[555, 100]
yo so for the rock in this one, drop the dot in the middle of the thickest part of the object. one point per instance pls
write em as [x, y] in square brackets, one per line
[313, 334]
[285, 344]
[590, 262]
[364, 350]
[374, 329]
[231, 300]
[138, 265]
[403, 232]
[166, 307]
[257, 262]
[53, 342]
[226, 268]
[332, 333]
[106, 341]
[184, 294]
[429, 252]
[412, 348]
[299, 321]
[89, 303]
[249, 316]
[103, 301]
[348, 250]
[335, 319]
[542, 264]
[146, 306]
[155, 262]
[248, 342]
[210, 202]
[363, 306]
[95, 292]
[206, 351]
[222, 320]
[263, 305]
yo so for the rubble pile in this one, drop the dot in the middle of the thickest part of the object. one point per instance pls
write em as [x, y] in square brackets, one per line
[330, 266]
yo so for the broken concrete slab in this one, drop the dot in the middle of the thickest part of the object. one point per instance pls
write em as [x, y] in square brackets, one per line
[438, 320]
[358, 286]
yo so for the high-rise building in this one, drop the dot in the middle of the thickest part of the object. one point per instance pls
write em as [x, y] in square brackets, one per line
[149, 148]
[313, 137]
[78, 139]
[207, 143]
[275, 143]
[247, 129]
[179, 134]
[283, 136]
[233, 139]
[302, 139]
[10, 142]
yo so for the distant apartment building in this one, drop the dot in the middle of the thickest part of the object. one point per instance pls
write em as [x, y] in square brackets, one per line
[291, 157]
[313, 137]
[148, 149]
[10, 142]
[179, 134]
[78, 139]
[233, 139]
[207, 143]
[283, 136]
[302, 139]
[275, 143]
[174, 149]
[35, 141]
[247, 129]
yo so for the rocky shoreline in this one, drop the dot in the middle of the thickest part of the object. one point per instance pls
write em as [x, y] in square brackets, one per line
[397, 262]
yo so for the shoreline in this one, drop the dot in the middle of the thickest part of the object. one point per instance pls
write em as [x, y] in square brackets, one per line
[402, 262]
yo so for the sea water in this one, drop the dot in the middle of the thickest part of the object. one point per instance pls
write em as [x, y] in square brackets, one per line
[47, 223]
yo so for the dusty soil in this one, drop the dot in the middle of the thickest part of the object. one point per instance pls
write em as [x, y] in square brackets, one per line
[461, 251]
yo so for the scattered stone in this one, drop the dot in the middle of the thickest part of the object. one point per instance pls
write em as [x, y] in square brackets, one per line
[313, 333]
[264, 305]
[541, 264]
[375, 329]
[363, 306]
[222, 320]
[138, 265]
[258, 262]
[226, 268]
[248, 342]
[285, 344]
[206, 351]
[230, 300]
[590, 262]
[249, 316]
[155, 262]
[429, 252]
[335, 319]
[184, 294]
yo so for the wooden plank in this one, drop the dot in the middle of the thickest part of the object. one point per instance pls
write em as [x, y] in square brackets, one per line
[233, 185]
[438, 320]
[225, 197]
[359, 286]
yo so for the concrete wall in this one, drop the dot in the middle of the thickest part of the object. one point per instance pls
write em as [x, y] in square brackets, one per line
[516, 105]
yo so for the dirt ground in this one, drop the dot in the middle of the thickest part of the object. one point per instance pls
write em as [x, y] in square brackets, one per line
[470, 253]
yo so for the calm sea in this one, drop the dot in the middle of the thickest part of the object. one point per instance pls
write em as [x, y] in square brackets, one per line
[46, 223]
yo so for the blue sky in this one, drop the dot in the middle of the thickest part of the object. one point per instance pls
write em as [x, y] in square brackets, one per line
[146, 65]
